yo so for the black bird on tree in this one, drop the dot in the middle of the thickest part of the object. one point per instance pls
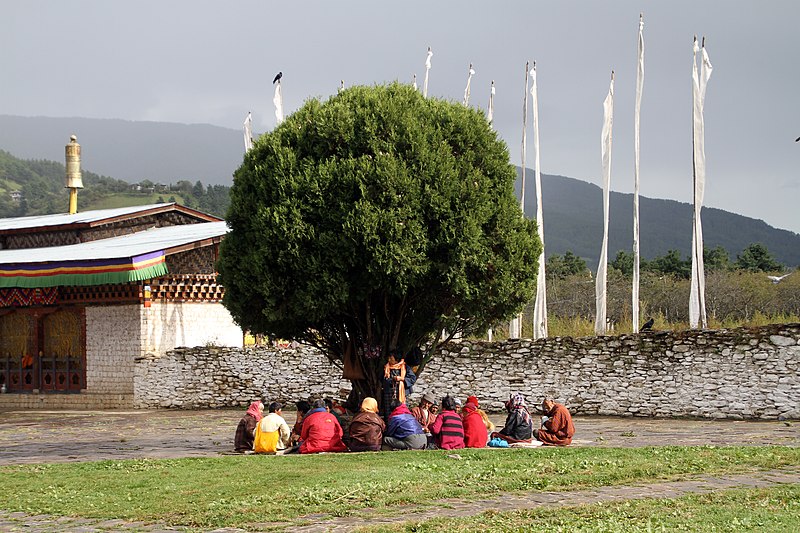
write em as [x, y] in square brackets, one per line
[278, 77]
[648, 326]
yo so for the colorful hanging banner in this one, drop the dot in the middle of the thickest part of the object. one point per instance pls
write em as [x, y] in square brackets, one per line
[87, 272]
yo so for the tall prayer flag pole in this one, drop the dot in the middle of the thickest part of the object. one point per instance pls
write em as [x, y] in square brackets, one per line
[427, 72]
[414, 82]
[515, 328]
[600, 283]
[469, 81]
[540, 307]
[636, 116]
[697, 297]
[278, 101]
[490, 118]
[248, 132]
[490, 114]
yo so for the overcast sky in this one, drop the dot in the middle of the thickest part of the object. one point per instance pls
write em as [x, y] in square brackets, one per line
[193, 61]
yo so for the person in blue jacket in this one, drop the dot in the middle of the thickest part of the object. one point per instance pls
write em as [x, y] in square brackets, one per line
[403, 432]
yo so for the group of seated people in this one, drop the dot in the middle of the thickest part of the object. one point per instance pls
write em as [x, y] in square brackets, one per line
[323, 426]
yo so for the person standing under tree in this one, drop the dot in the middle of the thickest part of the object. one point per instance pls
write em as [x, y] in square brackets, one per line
[394, 375]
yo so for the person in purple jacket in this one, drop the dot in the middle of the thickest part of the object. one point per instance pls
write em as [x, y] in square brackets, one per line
[403, 432]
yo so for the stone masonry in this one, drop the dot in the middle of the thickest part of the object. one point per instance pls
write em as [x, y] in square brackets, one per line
[744, 373]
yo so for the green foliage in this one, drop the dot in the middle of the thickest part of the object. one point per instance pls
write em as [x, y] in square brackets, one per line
[756, 258]
[716, 258]
[670, 263]
[623, 262]
[376, 218]
[559, 267]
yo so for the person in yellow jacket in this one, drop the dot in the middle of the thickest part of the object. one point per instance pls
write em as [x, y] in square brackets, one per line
[272, 432]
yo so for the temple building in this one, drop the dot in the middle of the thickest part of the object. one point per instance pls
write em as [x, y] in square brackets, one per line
[83, 295]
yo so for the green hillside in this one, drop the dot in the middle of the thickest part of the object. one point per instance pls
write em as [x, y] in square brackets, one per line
[573, 221]
[36, 187]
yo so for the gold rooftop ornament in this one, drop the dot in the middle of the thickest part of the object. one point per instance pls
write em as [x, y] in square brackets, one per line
[74, 181]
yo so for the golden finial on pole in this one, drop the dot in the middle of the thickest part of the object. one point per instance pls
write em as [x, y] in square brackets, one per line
[74, 181]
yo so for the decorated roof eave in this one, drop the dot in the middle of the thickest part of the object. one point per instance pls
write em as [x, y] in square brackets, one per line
[142, 265]
[110, 220]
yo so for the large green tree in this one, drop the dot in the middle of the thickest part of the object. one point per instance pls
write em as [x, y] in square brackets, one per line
[374, 221]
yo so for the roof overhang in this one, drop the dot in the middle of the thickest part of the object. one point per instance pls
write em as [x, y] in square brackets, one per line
[123, 259]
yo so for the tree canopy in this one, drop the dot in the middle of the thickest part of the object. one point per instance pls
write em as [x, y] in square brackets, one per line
[372, 221]
[756, 258]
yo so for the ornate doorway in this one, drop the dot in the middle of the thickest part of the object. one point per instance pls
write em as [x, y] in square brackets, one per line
[43, 349]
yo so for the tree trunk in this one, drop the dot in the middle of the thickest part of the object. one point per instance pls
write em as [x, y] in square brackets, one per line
[370, 386]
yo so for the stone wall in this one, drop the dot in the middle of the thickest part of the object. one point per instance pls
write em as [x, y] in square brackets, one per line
[738, 373]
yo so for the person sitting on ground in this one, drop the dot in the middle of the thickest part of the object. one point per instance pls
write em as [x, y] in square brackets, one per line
[518, 426]
[245, 431]
[475, 432]
[557, 429]
[425, 412]
[366, 428]
[403, 432]
[321, 431]
[272, 433]
[330, 406]
[448, 429]
[486, 422]
[302, 408]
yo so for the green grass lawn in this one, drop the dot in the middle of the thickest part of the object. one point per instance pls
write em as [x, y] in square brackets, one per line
[239, 490]
[770, 509]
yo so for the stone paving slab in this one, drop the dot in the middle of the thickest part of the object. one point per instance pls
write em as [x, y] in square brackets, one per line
[63, 436]
[461, 508]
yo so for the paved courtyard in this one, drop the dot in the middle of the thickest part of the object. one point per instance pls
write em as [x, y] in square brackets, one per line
[58, 436]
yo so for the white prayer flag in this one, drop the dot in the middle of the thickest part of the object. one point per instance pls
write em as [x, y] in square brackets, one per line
[278, 101]
[427, 72]
[605, 139]
[248, 132]
[516, 323]
[490, 114]
[414, 83]
[524, 138]
[697, 296]
[636, 117]
[469, 81]
[540, 307]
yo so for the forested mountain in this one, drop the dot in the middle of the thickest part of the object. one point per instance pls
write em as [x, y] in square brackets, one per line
[573, 221]
[132, 151]
[36, 187]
